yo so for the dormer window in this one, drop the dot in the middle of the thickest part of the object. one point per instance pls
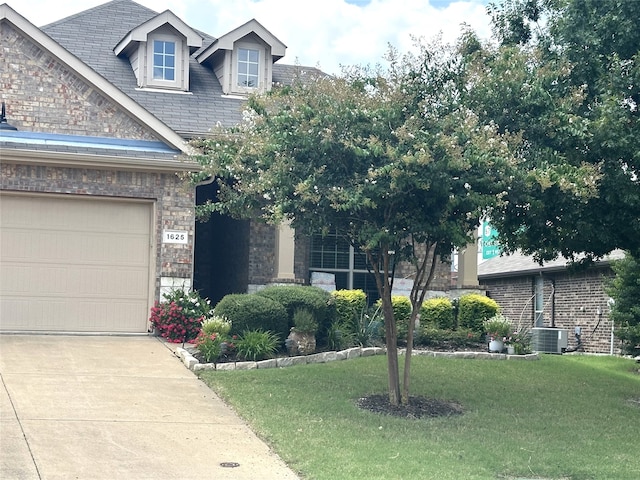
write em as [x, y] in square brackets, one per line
[248, 67]
[159, 51]
[164, 60]
[243, 59]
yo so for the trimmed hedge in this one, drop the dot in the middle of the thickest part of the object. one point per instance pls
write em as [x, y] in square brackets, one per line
[401, 306]
[253, 312]
[349, 304]
[438, 312]
[294, 297]
[473, 309]
[449, 339]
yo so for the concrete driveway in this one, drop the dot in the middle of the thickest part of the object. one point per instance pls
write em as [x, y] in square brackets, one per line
[100, 407]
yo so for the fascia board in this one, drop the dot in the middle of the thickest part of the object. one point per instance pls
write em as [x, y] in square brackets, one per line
[75, 160]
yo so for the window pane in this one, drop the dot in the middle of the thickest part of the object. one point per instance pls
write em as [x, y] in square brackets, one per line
[157, 72]
[169, 74]
[158, 46]
[253, 56]
[253, 69]
[242, 68]
[169, 48]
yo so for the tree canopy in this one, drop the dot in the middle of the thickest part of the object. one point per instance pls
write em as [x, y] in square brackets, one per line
[566, 76]
[393, 161]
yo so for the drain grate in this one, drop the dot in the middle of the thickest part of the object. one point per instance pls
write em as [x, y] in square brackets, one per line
[229, 464]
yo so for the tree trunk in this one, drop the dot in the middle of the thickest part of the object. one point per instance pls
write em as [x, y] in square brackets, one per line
[391, 336]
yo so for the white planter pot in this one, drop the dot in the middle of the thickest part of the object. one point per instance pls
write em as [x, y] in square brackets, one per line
[511, 350]
[496, 346]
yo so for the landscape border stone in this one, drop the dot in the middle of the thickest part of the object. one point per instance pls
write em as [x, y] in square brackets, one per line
[194, 365]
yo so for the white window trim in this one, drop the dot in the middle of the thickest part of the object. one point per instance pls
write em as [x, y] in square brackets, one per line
[177, 83]
[262, 54]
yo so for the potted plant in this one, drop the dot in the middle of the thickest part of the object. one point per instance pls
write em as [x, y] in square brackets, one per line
[498, 329]
[302, 339]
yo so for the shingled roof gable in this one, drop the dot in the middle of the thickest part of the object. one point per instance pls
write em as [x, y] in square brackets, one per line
[141, 32]
[7, 14]
[92, 34]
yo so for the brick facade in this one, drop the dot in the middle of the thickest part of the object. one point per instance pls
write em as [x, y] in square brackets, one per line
[45, 95]
[570, 300]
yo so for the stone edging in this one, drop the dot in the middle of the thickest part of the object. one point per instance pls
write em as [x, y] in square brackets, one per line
[194, 365]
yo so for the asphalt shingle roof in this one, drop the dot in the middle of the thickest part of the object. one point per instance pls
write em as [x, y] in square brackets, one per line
[92, 34]
[519, 264]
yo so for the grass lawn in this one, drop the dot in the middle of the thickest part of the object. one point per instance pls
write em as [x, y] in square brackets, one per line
[569, 417]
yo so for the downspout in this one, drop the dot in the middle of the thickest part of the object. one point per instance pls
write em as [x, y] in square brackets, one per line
[553, 303]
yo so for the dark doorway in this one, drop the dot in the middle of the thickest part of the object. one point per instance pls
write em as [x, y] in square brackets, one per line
[221, 257]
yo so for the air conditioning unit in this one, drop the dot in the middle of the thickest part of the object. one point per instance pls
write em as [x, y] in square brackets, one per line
[549, 340]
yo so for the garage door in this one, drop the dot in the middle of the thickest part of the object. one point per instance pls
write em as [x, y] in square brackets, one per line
[73, 264]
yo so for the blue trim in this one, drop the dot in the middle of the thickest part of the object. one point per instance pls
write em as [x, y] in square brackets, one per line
[53, 139]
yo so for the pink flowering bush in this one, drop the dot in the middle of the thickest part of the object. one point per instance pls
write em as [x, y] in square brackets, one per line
[179, 317]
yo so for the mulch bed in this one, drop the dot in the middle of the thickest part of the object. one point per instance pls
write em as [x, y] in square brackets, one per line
[418, 407]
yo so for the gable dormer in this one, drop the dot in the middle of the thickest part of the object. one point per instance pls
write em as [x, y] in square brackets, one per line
[243, 58]
[159, 51]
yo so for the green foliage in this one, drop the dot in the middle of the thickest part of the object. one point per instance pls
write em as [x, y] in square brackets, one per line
[304, 321]
[572, 95]
[294, 297]
[340, 335]
[474, 309]
[438, 312]
[216, 324]
[445, 339]
[498, 327]
[349, 304]
[251, 312]
[625, 312]
[368, 328]
[255, 345]
[209, 345]
[391, 160]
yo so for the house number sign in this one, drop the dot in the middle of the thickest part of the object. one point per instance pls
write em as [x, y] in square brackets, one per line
[175, 236]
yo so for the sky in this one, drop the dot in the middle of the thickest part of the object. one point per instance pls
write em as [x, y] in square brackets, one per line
[318, 33]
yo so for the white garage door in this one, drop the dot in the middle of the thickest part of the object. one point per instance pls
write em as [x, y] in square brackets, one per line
[74, 264]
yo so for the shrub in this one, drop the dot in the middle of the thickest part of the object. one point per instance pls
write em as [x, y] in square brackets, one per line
[474, 309]
[340, 335]
[251, 312]
[401, 306]
[209, 345]
[304, 322]
[438, 312]
[349, 304]
[445, 339]
[497, 327]
[313, 299]
[179, 317]
[257, 345]
[216, 324]
[368, 328]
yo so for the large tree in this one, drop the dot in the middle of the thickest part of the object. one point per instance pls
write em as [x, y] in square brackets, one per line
[565, 75]
[393, 161]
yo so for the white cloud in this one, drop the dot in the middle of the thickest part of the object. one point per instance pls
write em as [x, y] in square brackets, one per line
[327, 33]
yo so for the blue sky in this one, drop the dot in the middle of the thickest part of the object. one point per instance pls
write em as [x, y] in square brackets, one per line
[326, 33]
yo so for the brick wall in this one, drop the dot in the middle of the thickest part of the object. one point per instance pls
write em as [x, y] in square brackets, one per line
[262, 254]
[44, 95]
[571, 300]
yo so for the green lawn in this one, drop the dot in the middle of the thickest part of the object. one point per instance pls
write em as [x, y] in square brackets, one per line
[560, 417]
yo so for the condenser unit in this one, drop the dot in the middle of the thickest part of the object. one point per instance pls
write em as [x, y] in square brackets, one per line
[549, 340]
